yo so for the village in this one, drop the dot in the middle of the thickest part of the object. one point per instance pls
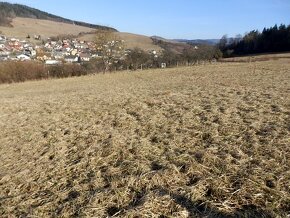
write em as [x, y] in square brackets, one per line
[53, 51]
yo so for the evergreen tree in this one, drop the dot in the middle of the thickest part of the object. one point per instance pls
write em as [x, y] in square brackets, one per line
[273, 39]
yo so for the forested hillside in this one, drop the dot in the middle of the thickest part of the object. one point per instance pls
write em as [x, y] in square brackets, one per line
[273, 39]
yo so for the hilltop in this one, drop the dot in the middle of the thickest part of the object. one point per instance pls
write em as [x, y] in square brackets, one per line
[20, 20]
[9, 11]
[47, 28]
[21, 27]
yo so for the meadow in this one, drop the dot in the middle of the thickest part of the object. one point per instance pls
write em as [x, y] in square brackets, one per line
[202, 141]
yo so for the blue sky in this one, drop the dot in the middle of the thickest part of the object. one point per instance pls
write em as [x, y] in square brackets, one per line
[190, 19]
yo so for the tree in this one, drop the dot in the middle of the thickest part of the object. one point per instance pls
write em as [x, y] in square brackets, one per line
[109, 47]
[137, 57]
[169, 57]
[273, 39]
[5, 18]
[223, 43]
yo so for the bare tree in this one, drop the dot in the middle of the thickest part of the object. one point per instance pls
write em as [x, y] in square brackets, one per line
[109, 48]
[137, 58]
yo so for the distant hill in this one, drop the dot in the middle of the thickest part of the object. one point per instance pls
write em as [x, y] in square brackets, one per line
[22, 27]
[9, 11]
[170, 45]
[159, 38]
[189, 41]
[20, 21]
[199, 41]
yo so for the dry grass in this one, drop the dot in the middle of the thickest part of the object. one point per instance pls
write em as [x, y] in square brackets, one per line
[28, 26]
[134, 40]
[12, 71]
[204, 141]
[131, 41]
[24, 26]
[261, 57]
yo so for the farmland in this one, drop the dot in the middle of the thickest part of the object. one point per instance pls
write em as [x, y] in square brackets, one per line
[201, 141]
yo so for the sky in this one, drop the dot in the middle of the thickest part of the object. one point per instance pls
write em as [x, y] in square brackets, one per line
[172, 19]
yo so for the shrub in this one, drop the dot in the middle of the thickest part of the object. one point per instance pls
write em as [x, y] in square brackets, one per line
[22, 71]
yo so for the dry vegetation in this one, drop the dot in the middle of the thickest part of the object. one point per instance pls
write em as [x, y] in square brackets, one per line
[261, 57]
[203, 141]
[12, 71]
[138, 41]
[28, 26]
[131, 41]
[46, 28]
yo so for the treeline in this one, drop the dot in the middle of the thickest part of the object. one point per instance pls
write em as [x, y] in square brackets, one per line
[173, 55]
[5, 16]
[186, 53]
[273, 39]
[22, 71]
[139, 59]
[202, 53]
[11, 72]
[8, 11]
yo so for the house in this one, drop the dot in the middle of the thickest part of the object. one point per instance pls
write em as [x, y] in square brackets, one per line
[85, 57]
[4, 57]
[37, 37]
[15, 44]
[4, 51]
[14, 40]
[58, 54]
[23, 57]
[53, 43]
[163, 65]
[43, 58]
[65, 42]
[71, 59]
[33, 53]
[2, 38]
[74, 52]
[30, 52]
[52, 62]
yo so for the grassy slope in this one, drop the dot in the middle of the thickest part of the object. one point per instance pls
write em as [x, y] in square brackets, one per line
[46, 28]
[24, 26]
[8, 10]
[131, 41]
[139, 41]
[201, 141]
